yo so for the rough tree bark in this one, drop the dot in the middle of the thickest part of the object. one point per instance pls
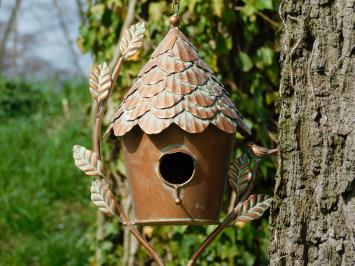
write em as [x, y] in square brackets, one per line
[313, 217]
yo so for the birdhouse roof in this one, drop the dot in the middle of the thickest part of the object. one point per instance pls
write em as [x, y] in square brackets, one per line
[176, 87]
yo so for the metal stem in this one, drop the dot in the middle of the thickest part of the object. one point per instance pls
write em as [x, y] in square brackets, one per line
[145, 244]
[97, 133]
[100, 111]
[230, 219]
[226, 222]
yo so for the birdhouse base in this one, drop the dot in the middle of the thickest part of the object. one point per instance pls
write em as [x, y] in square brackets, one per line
[176, 222]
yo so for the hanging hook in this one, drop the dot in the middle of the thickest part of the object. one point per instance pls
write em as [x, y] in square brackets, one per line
[175, 6]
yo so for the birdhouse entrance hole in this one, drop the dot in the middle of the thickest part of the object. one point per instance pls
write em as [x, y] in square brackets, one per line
[176, 168]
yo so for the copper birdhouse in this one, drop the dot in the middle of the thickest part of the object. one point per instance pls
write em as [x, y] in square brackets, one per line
[178, 127]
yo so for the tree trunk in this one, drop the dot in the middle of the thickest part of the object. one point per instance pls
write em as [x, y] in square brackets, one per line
[313, 216]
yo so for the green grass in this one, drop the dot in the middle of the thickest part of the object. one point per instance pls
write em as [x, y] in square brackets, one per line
[44, 201]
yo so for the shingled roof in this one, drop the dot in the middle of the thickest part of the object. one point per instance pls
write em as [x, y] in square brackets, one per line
[176, 87]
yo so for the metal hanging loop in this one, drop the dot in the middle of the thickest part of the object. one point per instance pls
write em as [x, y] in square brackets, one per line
[175, 6]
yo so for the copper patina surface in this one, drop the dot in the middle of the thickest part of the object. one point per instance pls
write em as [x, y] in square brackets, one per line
[154, 201]
[177, 105]
[177, 87]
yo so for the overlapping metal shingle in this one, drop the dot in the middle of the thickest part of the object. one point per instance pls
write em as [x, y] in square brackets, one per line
[176, 87]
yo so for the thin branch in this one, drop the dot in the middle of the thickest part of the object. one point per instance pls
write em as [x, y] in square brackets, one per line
[81, 12]
[267, 19]
[66, 33]
[7, 32]
[262, 15]
[99, 236]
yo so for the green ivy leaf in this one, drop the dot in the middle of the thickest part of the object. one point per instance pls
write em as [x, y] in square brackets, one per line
[218, 7]
[264, 4]
[98, 11]
[265, 57]
[244, 62]
[191, 5]
[249, 10]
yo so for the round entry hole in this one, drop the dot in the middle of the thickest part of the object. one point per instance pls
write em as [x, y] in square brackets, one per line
[176, 168]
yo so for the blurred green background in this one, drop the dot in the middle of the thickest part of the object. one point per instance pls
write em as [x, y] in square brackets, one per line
[46, 217]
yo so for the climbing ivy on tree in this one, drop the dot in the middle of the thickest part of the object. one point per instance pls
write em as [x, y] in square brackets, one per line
[238, 39]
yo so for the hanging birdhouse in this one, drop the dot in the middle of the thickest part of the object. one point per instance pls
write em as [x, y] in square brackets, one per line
[177, 125]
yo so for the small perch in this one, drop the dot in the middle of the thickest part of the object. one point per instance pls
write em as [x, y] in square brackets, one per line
[259, 151]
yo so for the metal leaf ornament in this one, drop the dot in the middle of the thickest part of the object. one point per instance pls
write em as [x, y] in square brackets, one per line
[253, 208]
[102, 197]
[87, 161]
[132, 40]
[240, 174]
[100, 82]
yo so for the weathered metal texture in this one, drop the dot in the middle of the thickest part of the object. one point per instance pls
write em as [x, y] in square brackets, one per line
[200, 198]
[177, 87]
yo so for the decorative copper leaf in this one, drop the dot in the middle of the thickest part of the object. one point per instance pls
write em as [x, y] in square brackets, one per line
[201, 112]
[171, 64]
[137, 112]
[201, 98]
[87, 161]
[154, 76]
[176, 86]
[167, 43]
[100, 82]
[122, 126]
[189, 123]
[224, 123]
[102, 197]
[183, 51]
[240, 174]
[148, 91]
[165, 99]
[168, 112]
[151, 125]
[212, 88]
[193, 76]
[132, 102]
[228, 111]
[254, 207]
[132, 40]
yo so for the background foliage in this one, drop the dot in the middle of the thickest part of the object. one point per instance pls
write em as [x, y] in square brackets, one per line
[238, 40]
[44, 203]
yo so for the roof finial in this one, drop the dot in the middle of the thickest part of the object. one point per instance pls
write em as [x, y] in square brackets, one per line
[174, 20]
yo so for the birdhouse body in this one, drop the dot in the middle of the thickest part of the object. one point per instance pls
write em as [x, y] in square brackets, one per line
[195, 174]
[177, 125]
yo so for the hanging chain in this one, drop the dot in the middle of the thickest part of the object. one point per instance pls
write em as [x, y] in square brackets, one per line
[175, 6]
